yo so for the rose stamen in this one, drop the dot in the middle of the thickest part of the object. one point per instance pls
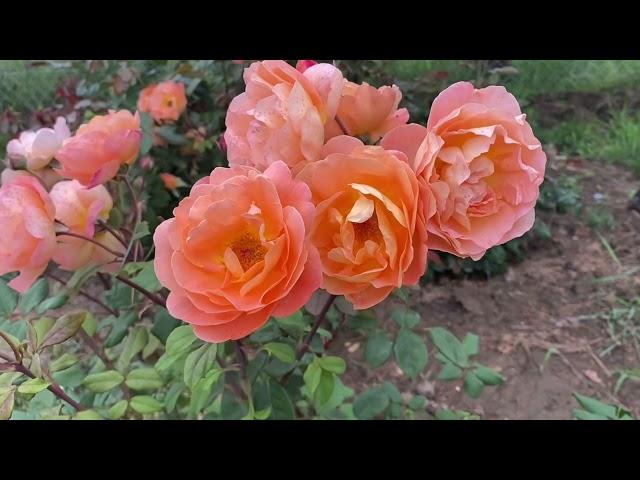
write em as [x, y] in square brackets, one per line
[249, 250]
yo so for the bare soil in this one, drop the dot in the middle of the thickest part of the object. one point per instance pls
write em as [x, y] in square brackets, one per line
[551, 300]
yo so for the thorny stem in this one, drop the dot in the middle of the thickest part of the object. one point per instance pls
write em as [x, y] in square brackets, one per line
[113, 232]
[343, 320]
[95, 242]
[151, 296]
[112, 311]
[138, 215]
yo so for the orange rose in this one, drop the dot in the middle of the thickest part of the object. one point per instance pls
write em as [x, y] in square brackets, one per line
[98, 149]
[282, 114]
[365, 110]
[237, 251]
[28, 236]
[370, 220]
[163, 101]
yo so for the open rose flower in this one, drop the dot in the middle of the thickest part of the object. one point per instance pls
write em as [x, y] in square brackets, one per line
[163, 101]
[483, 166]
[98, 149]
[370, 220]
[79, 208]
[366, 110]
[237, 251]
[38, 148]
[282, 114]
[28, 236]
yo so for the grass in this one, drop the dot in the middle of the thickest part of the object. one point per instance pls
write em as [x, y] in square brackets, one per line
[24, 88]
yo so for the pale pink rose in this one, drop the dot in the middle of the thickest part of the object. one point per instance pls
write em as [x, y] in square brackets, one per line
[79, 208]
[282, 114]
[482, 164]
[28, 236]
[366, 110]
[38, 148]
[237, 251]
[98, 149]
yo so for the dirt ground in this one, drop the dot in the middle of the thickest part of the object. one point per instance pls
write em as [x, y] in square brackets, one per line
[551, 300]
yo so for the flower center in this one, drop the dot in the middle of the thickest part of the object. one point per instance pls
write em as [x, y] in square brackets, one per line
[249, 250]
[367, 230]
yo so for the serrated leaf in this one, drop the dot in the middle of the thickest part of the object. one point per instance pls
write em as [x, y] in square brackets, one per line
[63, 329]
[281, 351]
[202, 391]
[147, 278]
[103, 381]
[145, 404]
[144, 379]
[119, 329]
[52, 303]
[473, 385]
[370, 403]
[410, 352]
[63, 362]
[172, 396]
[378, 349]
[333, 364]
[405, 317]
[449, 371]
[180, 340]
[90, 324]
[449, 346]
[135, 342]
[33, 385]
[198, 364]
[118, 410]
[34, 296]
[152, 345]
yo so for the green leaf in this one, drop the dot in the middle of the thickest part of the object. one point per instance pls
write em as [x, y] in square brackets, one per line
[333, 364]
[473, 385]
[444, 414]
[103, 381]
[370, 403]
[145, 404]
[281, 405]
[198, 364]
[90, 324]
[172, 396]
[87, 415]
[488, 376]
[417, 403]
[52, 303]
[41, 327]
[325, 388]
[410, 352]
[146, 125]
[63, 362]
[8, 299]
[152, 345]
[163, 324]
[293, 324]
[34, 296]
[7, 398]
[147, 278]
[144, 379]
[133, 345]
[281, 351]
[170, 135]
[63, 329]
[118, 410]
[8, 378]
[180, 340]
[378, 349]
[69, 377]
[584, 415]
[392, 392]
[449, 346]
[405, 317]
[471, 344]
[202, 391]
[449, 371]
[595, 406]
[141, 231]
[312, 376]
[119, 329]
[33, 385]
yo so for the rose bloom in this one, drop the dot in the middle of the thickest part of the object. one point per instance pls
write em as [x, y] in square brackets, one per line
[79, 208]
[482, 164]
[163, 101]
[28, 236]
[38, 148]
[237, 251]
[282, 114]
[303, 65]
[370, 220]
[98, 149]
[365, 110]
[171, 182]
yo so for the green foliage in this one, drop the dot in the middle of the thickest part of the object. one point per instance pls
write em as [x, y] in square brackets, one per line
[593, 409]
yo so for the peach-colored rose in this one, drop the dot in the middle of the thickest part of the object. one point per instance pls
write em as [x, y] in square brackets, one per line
[483, 166]
[98, 149]
[79, 208]
[370, 220]
[28, 237]
[282, 114]
[163, 101]
[365, 110]
[237, 251]
[171, 182]
[38, 148]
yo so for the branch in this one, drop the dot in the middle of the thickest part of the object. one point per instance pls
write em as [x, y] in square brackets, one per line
[112, 311]
[151, 296]
[95, 242]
